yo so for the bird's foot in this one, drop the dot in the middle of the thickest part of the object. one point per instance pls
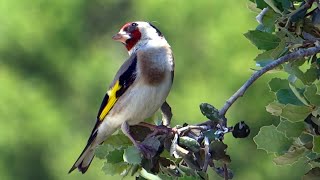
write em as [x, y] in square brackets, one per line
[147, 151]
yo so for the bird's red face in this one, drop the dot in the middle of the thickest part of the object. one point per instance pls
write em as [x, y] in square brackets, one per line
[129, 35]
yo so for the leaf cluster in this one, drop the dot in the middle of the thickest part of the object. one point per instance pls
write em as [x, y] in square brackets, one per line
[286, 26]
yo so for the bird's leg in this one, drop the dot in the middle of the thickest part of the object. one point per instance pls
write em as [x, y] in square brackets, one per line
[156, 129]
[146, 150]
[166, 114]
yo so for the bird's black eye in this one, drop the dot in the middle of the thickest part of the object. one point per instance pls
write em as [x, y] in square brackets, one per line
[134, 24]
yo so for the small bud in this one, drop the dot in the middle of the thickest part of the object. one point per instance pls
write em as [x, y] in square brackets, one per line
[241, 130]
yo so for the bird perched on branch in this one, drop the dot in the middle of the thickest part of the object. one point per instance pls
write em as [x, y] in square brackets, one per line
[138, 90]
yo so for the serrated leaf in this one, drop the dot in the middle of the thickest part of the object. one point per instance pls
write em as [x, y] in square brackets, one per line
[276, 84]
[262, 40]
[102, 150]
[115, 156]
[132, 155]
[295, 113]
[290, 157]
[316, 144]
[290, 129]
[209, 111]
[275, 108]
[115, 169]
[271, 140]
[313, 174]
[218, 151]
[286, 96]
[311, 94]
[118, 140]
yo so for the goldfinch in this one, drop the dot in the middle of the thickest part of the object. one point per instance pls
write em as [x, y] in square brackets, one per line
[138, 90]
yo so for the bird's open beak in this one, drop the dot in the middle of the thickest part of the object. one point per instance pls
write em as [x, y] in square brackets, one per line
[121, 36]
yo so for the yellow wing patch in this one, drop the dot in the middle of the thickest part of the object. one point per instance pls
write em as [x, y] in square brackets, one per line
[112, 99]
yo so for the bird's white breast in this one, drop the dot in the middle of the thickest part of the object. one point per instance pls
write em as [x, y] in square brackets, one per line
[143, 99]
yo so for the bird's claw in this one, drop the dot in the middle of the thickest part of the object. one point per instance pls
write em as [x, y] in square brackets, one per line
[147, 151]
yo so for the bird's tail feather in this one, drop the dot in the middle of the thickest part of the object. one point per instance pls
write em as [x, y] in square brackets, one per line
[85, 158]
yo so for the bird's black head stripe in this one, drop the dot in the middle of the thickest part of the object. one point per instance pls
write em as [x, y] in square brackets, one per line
[158, 31]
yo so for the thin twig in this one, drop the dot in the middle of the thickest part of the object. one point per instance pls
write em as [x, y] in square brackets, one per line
[289, 57]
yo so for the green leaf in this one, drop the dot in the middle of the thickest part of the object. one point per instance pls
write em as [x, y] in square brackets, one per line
[276, 84]
[313, 174]
[209, 111]
[318, 87]
[266, 56]
[263, 28]
[290, 157]
[294, 70]
[218, 151]
[271, 140]
[187, 170]
[118, 140]
[261, 4]
[275, 108]
[311, 75]
[284, 4]
[269, 19]
[115, 156]
[298, 93]
[210, 134]
[305, 138]
[312, 96]
[286, 96]
[295, 113]
[262, 40]
[132, 155]
[187, 178]
[102, 150]
[290, 129]
[316, 144]
[115, 169]
[269, 56]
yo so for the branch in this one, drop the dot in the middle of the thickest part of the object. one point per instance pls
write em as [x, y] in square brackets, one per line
[289, 57]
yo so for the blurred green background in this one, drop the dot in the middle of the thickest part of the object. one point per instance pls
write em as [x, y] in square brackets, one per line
[57, 59]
